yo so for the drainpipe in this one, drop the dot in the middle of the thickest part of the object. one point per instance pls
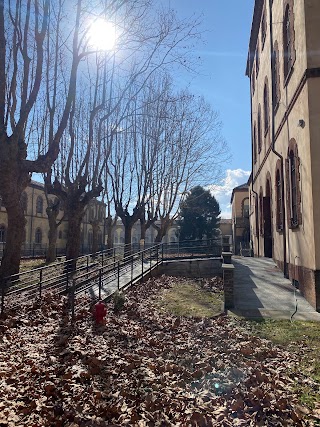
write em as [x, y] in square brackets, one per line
[252, 166]
[285, 272]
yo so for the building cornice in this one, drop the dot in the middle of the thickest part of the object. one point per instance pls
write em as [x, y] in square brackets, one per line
[255, 26]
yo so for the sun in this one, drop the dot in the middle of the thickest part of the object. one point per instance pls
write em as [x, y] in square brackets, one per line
[102, 35]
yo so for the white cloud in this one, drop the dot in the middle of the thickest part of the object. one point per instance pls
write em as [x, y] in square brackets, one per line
[223, 191]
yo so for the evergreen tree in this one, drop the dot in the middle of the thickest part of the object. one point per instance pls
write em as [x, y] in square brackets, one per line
[199, 215]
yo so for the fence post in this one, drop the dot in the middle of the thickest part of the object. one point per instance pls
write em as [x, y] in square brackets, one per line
[118, 273]
[157, 257]
[87, 264]
[73, 299]
[40, 287]
[102, 258]
[142, 259]
[131, 269]
[100, 282]
[150, 259]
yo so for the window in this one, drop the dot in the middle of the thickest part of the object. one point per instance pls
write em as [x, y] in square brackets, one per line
[261, 212]
[254, 144]
[257, 60]
[293, 186]
[245, 208]
[39, 206]
[3, 233]
[259, 130]
[24, 202]
[38, 236]
[279, 201]
[288, 39]
[293, 189]
[263, 28]
[276, 76]
[253, 80]
[266, 107]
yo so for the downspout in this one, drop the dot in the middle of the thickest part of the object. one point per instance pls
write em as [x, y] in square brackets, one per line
[252, 166]
[285, 272]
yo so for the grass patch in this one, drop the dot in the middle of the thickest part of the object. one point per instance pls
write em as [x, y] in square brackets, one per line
[30, 264]
[302, 337]
[187, 298]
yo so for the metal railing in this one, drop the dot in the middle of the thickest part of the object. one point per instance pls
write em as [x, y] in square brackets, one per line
[99, 274]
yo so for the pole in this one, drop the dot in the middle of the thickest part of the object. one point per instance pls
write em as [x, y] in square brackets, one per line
[100, 282]
[118, 274]
[131, 269]
[40, 287]
[142, 265]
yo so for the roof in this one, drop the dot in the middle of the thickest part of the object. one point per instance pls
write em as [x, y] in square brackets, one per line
[242, 187]
[257, 12]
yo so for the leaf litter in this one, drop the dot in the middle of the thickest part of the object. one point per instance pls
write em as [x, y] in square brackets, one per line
[144, 367]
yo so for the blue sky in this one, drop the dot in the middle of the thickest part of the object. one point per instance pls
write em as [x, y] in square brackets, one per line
[222, 79]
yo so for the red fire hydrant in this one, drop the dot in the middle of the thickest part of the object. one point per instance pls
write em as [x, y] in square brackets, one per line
[99, 312]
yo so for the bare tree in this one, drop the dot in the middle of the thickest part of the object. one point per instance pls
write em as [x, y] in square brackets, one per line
[192, 151]
[24, 38]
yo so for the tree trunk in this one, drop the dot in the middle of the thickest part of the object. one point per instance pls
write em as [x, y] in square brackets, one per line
[127, 238]
[13, 180]
[162, 230]
[74, 235]
[52, 213]
[15, 233]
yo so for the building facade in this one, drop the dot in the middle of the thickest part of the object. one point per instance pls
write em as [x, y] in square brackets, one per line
[37, 227]
[284, 70]
[240, 220]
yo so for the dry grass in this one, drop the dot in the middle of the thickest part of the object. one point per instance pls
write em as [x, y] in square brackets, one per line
[188, 298]
[296, 335]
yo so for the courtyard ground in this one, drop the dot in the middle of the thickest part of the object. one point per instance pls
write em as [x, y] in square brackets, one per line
[161, 361]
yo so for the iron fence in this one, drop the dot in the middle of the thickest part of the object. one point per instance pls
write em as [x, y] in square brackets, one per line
[100, 274]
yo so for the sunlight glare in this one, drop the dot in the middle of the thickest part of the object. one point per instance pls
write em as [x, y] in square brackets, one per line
[102, 35]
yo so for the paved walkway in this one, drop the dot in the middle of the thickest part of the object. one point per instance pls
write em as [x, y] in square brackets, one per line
[261, 291]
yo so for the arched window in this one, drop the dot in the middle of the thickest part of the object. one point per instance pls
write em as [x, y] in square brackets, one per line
[257, 60]
[288, 39]
[24, 202]
[266, 107]
[38, 236]
[3, 233]
[259, 130]
[276, 75]
[279, 200]
[293, 184]
[254, 144]
[39, 206]
[253, 79]
[261, 212]
[263, 28]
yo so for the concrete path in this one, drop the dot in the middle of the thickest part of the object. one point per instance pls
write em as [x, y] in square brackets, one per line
[110, 282]
[261, 291]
